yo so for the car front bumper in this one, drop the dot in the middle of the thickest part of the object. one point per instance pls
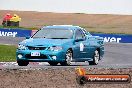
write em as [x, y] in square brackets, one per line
[45, 56]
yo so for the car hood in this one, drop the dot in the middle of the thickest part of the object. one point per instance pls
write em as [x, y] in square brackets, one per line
[45, 42]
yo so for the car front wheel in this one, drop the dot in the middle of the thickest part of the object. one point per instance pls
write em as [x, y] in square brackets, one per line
[22, 63]
[96, 58]
[68, 58]
[53, 63]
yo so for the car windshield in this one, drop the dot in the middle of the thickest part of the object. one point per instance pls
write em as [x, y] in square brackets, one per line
[54, 33]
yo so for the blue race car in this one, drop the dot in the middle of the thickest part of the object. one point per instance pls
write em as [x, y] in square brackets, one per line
[60, 44]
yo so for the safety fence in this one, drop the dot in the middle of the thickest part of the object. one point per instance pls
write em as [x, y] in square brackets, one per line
[119, 38]
[15, 32]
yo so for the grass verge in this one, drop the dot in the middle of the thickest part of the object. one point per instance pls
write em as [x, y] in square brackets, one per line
[91, 29]
[7, 53]
[29, 28]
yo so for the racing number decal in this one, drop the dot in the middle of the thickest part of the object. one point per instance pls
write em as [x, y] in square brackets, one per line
[81, 46]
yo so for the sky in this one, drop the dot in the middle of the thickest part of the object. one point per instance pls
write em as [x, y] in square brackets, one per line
[70, 6]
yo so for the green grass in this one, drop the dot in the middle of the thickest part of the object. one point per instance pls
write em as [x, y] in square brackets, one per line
[29, 28]
[107, 29]
[7, 53]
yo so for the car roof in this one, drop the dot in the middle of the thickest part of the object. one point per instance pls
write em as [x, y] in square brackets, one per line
[71, 27]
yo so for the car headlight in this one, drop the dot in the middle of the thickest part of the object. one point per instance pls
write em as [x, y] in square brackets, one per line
[55, 48]
[21, 47]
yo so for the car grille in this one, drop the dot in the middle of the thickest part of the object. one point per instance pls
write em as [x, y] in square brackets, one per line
[36, 57]
[36, 48]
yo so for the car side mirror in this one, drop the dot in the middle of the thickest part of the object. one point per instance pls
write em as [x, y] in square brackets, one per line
[27, 37]
[77, 40]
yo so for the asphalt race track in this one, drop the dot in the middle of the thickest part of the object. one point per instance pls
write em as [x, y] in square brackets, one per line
[117, 55]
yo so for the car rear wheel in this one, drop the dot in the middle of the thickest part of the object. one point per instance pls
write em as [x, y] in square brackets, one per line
[68, 59]
[22, 63]
[96, 58]
[53, 63]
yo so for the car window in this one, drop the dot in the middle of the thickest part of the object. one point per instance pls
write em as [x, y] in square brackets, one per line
[79, 34]
[86, 33]
[54, 33]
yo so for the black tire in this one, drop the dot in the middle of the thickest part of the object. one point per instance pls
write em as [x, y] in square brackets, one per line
[68, 58]
[53, 63]
[4, 23]
[22, 63]
[8, 23]
[81, 80]
[96, 58]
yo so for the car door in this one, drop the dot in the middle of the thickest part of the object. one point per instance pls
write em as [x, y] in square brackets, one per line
[91, 46]
[91, 43]
[81, 45]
